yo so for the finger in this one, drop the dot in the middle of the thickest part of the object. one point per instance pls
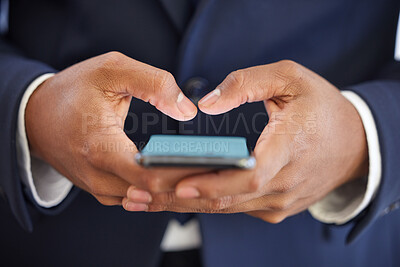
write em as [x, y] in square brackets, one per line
[269, 205]
[113, 153]
[243, 203]
[131, 206]
[109, 201]
[272, 153]
[150, 84]
[273, 217]
[169, 201]
[229, 204]
[277, 216]
[158, 180]
[281, 203]
[101, 183]
[139, 196]
[159, 88]
[274, 202]
[253, 84]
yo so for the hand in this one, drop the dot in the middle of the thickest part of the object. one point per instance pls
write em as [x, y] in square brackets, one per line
[74, 121]
[313, 143]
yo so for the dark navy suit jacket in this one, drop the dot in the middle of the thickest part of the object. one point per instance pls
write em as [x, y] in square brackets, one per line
[349, 42]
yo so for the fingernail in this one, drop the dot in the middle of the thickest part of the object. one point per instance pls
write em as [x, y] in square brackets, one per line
[187, 192]
[131, 206]
[139, 196]
[210, 98]
[185, 105]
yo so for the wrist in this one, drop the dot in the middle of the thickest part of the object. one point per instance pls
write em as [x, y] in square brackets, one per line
[361, 159]
[33, 110]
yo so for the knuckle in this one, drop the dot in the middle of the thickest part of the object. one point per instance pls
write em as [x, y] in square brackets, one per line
[167, 79]
[281, 204]
[288, 76]
[112, 58]
[105, 71]
[163, 80]
[255, 183]
[282, 187]
[170, 197]
[96, 189]
[213, 191]
[100, 199]
[153, 182]
[239, 80]
[91, 154]
[275, 218]
[212, 194]
[166, 198]
[105, 201]
[236, 78]
[219, 203]
[290, 67]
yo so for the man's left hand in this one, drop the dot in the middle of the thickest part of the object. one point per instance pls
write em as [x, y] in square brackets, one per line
[313, 143]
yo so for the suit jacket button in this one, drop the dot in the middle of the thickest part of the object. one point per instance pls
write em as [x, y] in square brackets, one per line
[386, 211]
[394, 206]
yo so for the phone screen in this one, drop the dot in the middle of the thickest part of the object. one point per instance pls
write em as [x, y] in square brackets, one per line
[196, 151]
[196, 146]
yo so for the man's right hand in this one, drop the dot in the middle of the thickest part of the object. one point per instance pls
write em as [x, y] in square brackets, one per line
[98, 156]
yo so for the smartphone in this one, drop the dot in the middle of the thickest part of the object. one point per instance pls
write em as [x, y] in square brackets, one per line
[196, 151]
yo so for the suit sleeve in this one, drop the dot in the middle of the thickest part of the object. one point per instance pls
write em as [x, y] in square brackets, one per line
[383, 99]
[346, 202]
[48, 187]
[16, 73]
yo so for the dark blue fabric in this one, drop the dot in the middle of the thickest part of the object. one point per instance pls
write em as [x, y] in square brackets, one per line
[183, 218]
[383, 97]
[349, 42]
[4, 4]
[12, 88]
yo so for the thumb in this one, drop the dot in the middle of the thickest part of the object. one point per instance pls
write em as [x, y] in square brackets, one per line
[150, 84]
[159, 88]
[250, 85]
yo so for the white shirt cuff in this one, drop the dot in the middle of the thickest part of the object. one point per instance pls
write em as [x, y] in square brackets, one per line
[346, 202]
[49, 188]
